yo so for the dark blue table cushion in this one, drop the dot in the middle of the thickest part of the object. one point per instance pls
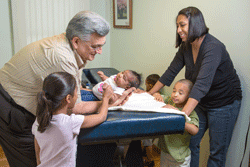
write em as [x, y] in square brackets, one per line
[94, 78]
[88, 96]
[129, 125]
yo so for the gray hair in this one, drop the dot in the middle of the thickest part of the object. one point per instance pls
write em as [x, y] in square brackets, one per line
[85, 23]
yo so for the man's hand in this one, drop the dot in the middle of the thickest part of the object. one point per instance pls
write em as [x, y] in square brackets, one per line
[158, 97]
[124, 97]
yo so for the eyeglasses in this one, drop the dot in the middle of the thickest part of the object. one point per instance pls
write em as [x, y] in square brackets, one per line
[95, 48]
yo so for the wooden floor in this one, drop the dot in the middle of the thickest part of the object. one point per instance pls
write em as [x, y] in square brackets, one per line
[155, 156]
[3, 160]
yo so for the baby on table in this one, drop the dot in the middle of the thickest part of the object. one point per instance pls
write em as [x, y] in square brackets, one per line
[122, 83]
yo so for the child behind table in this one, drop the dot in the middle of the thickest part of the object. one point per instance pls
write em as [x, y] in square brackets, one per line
[151, 81]
[55, 131]
[175, 147]
[120, 83]
[147, 143]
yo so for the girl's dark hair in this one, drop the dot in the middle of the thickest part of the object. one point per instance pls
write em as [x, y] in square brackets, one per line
[197, 25]
[56, 87]
[137, 82]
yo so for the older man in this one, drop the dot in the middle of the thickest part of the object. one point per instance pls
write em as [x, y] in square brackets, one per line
[21, 79]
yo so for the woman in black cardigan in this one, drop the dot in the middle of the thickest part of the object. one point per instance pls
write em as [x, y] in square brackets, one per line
[216, 95]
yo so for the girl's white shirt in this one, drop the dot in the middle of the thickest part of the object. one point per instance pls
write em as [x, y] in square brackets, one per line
[58, 142]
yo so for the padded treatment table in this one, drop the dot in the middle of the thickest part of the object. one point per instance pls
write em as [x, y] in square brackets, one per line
[124, 126]
[121, 127]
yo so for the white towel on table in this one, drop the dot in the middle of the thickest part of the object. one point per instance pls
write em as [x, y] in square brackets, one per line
[144, 102]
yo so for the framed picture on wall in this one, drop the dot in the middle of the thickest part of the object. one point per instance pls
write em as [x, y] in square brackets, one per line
[122, 14]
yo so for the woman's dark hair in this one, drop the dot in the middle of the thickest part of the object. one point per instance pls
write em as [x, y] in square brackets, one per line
[197, 25]
[56, 87]
[137, 82]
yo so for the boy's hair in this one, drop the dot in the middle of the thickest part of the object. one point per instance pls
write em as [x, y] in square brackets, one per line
[56, 87]
[137, 81]
[188, 83]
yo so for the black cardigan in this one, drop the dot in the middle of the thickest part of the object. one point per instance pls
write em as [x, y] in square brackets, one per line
[216, 83]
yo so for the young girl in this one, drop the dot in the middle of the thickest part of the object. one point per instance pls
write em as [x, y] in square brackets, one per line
[55, 131]
[175, 147]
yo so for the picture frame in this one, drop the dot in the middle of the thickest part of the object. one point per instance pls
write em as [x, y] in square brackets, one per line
[122, 14]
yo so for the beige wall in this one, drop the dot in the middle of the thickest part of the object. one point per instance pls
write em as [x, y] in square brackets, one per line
[149, 47]
[5, 33]
[102, 7]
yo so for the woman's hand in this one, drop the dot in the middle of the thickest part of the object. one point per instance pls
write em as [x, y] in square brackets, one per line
[158, 97]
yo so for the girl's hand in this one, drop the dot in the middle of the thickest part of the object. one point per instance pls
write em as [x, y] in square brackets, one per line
[158, 97]
[107, 91]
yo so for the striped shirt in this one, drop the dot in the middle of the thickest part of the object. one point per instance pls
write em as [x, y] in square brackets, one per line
[22, 77]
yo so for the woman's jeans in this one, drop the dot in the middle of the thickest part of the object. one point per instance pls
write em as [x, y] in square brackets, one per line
[220, 122]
